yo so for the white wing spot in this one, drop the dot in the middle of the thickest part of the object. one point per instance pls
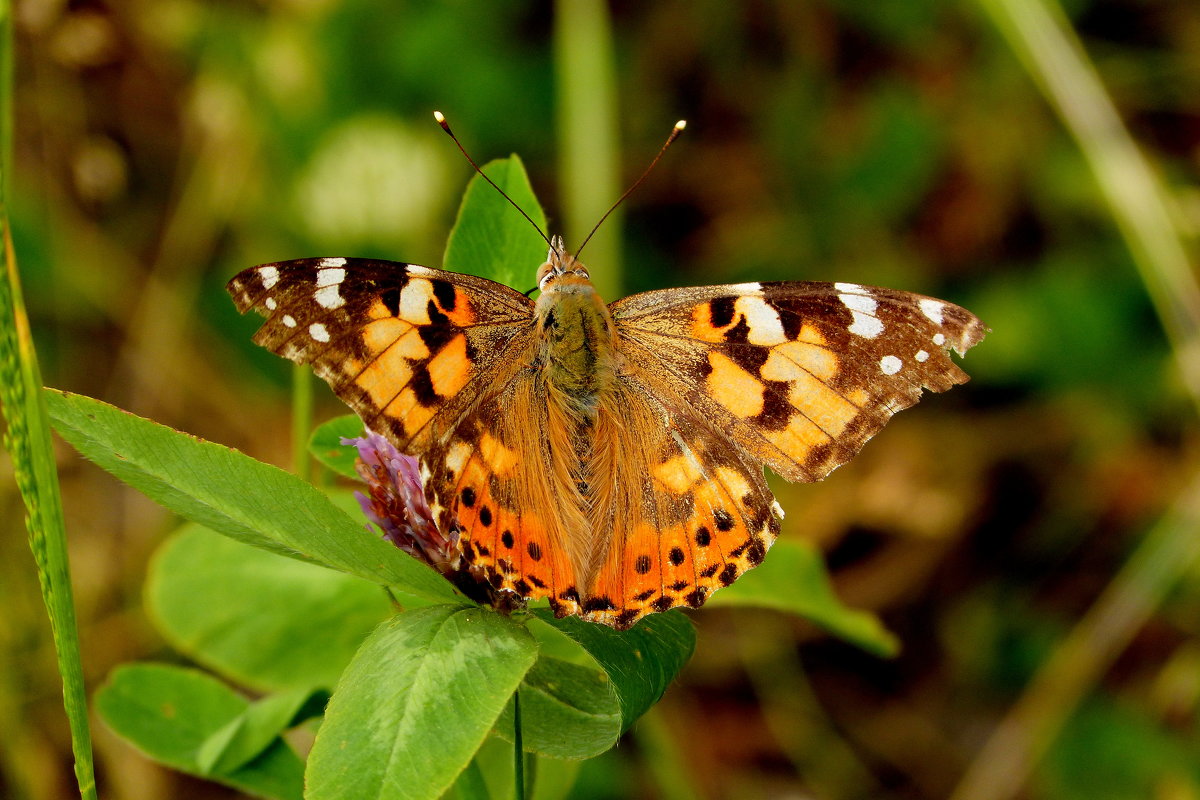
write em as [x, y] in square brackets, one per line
[852, 288]
[777, 509]
[863, 308]
[318, 332]
[328, 297]
[330, 276]
[270, 304]
[289, 320]
[933, 309]
[269, 276]
[414, 269]
[763, 321]
[746, 288]
[332, 262]
[890, 365]
[859, 302]
[939, 339]
[865, 325]
[922, 356]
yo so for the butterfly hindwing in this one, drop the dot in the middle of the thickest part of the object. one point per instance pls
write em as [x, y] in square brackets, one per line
[690, 513]
[801, 374]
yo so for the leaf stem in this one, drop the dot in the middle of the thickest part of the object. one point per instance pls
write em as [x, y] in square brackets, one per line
[518, 749]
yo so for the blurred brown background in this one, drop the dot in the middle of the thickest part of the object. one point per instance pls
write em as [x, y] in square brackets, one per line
[163, 145]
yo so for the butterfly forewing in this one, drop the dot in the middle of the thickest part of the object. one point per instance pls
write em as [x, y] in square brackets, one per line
[800, 374]
[407, 347]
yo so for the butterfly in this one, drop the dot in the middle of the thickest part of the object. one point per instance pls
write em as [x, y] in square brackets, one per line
[608, 457]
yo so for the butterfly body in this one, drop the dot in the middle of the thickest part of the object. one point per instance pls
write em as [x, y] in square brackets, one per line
[608, 457]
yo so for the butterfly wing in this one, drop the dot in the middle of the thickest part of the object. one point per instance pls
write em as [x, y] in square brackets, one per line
[720, 380]
[495, 473]
[404, 346]
[799, 374]
[689, 512]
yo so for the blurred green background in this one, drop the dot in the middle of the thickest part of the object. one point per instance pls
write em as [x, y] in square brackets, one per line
[163, 145]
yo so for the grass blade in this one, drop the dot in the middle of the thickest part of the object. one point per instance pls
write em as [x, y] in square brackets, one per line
[28, 441]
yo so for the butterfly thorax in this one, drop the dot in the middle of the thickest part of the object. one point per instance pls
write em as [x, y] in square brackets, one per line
[577, 351]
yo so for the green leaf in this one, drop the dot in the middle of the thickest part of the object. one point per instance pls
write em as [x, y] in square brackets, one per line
[169, 712]
[326, 446]
[281, 623]
[490, 238]
[641, 662]
[792, 578]
[567, 711]
[253, 731]
[414, 706]
[235, 495]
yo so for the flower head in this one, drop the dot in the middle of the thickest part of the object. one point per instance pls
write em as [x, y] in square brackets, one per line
[395, 501]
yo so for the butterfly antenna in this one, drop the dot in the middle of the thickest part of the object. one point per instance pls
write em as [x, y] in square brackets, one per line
[441, 120]
[678, 129]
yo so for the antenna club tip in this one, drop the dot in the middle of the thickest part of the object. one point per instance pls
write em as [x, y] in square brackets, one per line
[441, 120]
[679, 126]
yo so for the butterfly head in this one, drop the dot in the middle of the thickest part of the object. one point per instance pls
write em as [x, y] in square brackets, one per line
[561, 272]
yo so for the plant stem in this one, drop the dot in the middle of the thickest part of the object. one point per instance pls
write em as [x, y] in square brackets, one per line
[28, 441]
[518, 749]
[302, 418]
[589, 165]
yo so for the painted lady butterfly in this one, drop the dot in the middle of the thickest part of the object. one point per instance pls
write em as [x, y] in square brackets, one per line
[610, 457]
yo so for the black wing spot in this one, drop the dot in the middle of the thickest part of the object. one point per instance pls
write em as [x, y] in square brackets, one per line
[663, 603]
[720, 311]
[728, 575]
[436, 317]
[391, 300]
[703, 536]
[507, 539]
[642, 565]
[676, 556]
[436, 337]
[642, 597]
[445, 293]
[485, 516]
[468, 497]
[723, 520]
[535, 551]
[603, 603]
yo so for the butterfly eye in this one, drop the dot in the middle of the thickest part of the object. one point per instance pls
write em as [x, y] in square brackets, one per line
[545, 279]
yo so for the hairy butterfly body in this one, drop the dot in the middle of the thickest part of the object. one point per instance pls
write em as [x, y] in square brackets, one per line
[609, 457]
